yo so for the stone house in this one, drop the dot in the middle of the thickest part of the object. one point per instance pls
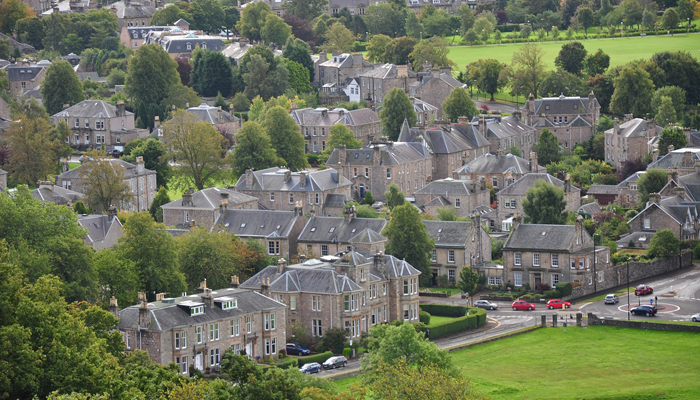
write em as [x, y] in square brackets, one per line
[142, 182]
[549, 254]
[376, 83]
[195, 331]
[340, 67]
[463, 196]
[373, 168]
[449, 145]
[203, 208]
[95, 124]
[48, 192]
[572, 120]
[457, 244]
[24, 76]
[135, 36]
[425, 113]
[434, 86]
[221, 120]
[132, 14]
[325, 236]
[505, 133]
[276, 231]
[510, 198]
[236, 50]
[334, 93]
[354, 291]
[679, 162]
[280, 189]
[180, 44]
[103, 230]
[670, 212]
[316, 123]
[498, 170]
[631, 140]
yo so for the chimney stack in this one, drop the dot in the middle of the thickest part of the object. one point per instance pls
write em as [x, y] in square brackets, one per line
[144, 314]
[140, 166]
[533, 162]
[265, 287]
[379, 261]
[187, 198]
[160, 296]
[287, 175]
[302, 179]
[679, 191]
[207, 298]
[616, 126]
[517, 219]
[349, 214]
[235, 282]
[688, 160]
[111, 213]
[281, 265]
[113, 307]
[655, 198]
[121, 108]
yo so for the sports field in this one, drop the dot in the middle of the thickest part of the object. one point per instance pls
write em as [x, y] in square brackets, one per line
[597, 362]
[621, 50]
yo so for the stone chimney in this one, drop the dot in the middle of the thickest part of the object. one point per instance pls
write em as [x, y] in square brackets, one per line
[462, 120]
[531, 103]
[207, 297]
[679, 191]
[628, 117]
[567, 183]
[302, 179]
[688, 160]
[113, 307]
[66, 106]
[349, 213]
[533, 162]
[518, 115]
[655, 155]
[697, 167]
[616, 126]
[299, 209]
[671, 148]
[248, 178]
[651, 129]
[499, 151]
[591, 103]
[111, 213]
[378, 260]
[655, 198]
[482, 124]
[672, 176]
[121, 108]
[287, 175]
[187, 198]
[517, 219]
[265, 287]
[223, 204]
[160, 296]
[377, 155]
[322, 56]
[281, 265]
[140, 167]
[342, 155]
[144, 313]
[235, 282]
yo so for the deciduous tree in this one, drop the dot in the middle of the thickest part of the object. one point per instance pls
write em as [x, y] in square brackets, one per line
[297, 50]
[671, 135]
[377, 47]
[253, 149]
[154, 154]
[285, 137]
[151, 75]
[397, 108]
[61, 86]
[670, 19]
[547, 148]
[666, 114]
[527, 69]
[306, 9]
[459, 104]
[275, 30]
[663, 244]
[571, 57]
[160, 199]
[394, 196]
[468, 279]
[486, 72]
[12, 11]
[596, 63]
[207, 15]
[105, 182]
[433, 52]
[253, 19]
[544, 204]
[211, 73]
[33, 153]
[677, 96]
[408, 239]
[338, 38]
[633, 92]
[651, 182]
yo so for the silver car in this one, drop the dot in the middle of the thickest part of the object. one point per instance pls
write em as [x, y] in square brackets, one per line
[611, 299]
[485, 304]
[695, 318]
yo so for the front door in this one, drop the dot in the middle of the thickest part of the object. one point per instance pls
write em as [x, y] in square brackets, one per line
[249, 350]
[538, 279]
[198, 362]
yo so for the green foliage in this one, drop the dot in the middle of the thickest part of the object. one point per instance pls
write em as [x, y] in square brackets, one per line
[275, 30]
[397, 108]
[459, 324]
[253, 149]
[334, 339]
[544, 204]
[394, 196]
[347, 352]
[663, 244]
[285, 137]
[369, 200]
[424, 317]
[596, 63]
[459, 104]
[79, 208]
[298, 76]
[547, 148]
[564, 288]
[297, 50]
[154, 154]
[211, 73]
[240, 102]
[633, 91]
[497, 249]
[319, 358]
[571, 57]
[408, 239]
[468, 280]
[527, 70]
[447, 214]
[677, 96]
[433, 52]
[160, 199]
[299, 333]
[651, 182]
[61, 86]
[666, 114]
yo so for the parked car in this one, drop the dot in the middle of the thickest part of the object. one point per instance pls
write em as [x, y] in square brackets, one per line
[611, 299]
[642, 290]
[695, 318]
[310, 368]
[558, 303]
[295, 349]
[522, 305]
[485, 304]
[335, 362]
[114, 153]
[649, 311]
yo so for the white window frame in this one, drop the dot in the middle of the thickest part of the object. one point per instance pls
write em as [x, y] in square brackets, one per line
[451, 256]
[518, 279]
[236, 327]
[535, 259]
[214, 332]
[555, 260]
[517, 258]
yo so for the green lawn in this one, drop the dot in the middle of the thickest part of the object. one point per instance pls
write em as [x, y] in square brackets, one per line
[72, 165]
[598, 362]
[434, 319]
[621, 51]
[449, 291]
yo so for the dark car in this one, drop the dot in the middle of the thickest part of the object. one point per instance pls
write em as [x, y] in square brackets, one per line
[335, 362]
[114, 153]
[649, 311]
[310, 368]
[295, 349]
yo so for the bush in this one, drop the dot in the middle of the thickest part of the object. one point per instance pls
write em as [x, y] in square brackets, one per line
[443, 281]
[445, 310]
[564, 288]
[424, 317]
[473, 320]
[319, 358]
[542, 287]
[696, 252]
[288, 362]
[347, 352]
[551, 294]
[368, 198]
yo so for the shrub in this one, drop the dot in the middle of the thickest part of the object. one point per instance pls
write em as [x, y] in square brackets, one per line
[470, 321]
[368, 198]
[424, 317]
[445, 310]
[319, 358]
[696, 251]
[542, 287]
[564, 288]
[551, 294]
[443, 281]
[347, 352]
[288, 362]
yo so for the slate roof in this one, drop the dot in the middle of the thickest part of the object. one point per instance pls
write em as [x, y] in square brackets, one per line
[439, 201]
[636, 127]
[396, 153]
[56, 194]
[472, 134]
[211, 114]
[420, 106]
[631, 179]
[591, 208]
[336, 230]
[25, 48]
[439, 140]
[130, 170]
[640, 239]
[337, 200]
[273, 179]
[561, 105]
[693, 191]
[171, 313]
[141, 32]
[344, 60]
[325, 117]
[520, 186]
[97, 225]
[93, 76]
[496, 164]
[178, 43]
[503, 127]
[541, 237]
[132, 10]
[603, 189]
[257, 223]
[237, 50]
[448, 233]
[450, 187]
[90, 109]
[15, 73]
[210, 198]
[367, 236]
[675, 159]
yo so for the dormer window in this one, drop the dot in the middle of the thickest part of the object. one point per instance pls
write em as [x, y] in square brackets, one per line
[228, 303]
[196, 310]
[189, 46]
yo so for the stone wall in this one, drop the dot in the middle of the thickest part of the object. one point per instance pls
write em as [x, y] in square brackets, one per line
[617, 275]
[657, 326]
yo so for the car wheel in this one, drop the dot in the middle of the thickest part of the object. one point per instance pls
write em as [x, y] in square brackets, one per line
[515, 309]
[551, 308]
[491, 308]
[648, 315]
[345, 364]
[695, 319]
[529, 308]
[565, 306]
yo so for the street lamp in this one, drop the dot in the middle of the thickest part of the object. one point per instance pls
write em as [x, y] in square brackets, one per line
[622, 29]
[687, 29]
[366, 36]
[421, 36]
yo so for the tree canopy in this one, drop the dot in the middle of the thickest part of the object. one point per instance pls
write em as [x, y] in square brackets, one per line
[253, 149]
[651, 182]
[61, 86]
[664, 243]
[397, 107]
[285, 137]
[633, 92]
[671, 135]
[547, 148]
[571, 57]
[459, 104]
[105, 183]
[408, 239]
[544, 204]
[211, 73]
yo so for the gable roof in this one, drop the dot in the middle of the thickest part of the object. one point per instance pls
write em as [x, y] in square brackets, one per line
[212, 115]
[130, 170]
[132, 10]
[636, 127]
[496, 164]
[25, 73]
[257, 223]
[324, 117]
[450, 187]
[210, 199]
[55, 194]
[337, 230]
[603, 189]
[396, 153]
[541, 237]
[562, 105]
[90, 109]
[274, 179]
[502, 127]
[520, 186]
[448, 233]
[97, 225]
[337, 200]
[676, 159]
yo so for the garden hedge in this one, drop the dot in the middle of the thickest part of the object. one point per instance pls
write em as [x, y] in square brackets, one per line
[319, 358]
[444, 310]
[287, 362]
[464, 318]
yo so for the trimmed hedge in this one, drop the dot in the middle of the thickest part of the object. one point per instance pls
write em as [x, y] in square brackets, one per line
[445, 310]
[288, 362]
[564, 288]
[319, 358]
[347, 352]
[424, 317]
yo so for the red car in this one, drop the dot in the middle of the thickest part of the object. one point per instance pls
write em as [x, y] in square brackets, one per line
[522, 305]
[557, 303]
[642, 290]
